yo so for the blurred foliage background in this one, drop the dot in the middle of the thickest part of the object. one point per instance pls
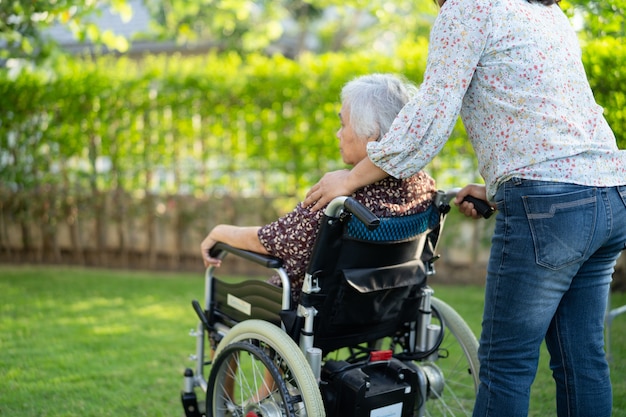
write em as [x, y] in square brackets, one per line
[114, 158]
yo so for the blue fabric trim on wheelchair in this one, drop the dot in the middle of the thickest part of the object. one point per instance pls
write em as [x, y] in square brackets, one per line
[394, 229]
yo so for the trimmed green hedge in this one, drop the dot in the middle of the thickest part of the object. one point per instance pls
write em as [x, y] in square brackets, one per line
[173, 124]
[210, 124]
[605, 62]
[132, 132]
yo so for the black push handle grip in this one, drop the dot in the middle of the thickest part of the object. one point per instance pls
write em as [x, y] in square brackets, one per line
[482, 207]
[369, 219]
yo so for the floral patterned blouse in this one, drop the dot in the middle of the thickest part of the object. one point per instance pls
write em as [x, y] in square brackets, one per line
[291, 237]
[513, 71]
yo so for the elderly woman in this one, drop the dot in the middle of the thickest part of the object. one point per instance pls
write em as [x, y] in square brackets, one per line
[370, 103]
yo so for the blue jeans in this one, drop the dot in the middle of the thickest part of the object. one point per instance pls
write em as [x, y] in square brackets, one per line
[553, 253]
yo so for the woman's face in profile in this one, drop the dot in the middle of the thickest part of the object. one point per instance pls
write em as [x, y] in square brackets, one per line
[352, 148]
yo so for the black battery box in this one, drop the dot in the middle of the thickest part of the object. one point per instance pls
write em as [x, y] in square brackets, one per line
[387, 388]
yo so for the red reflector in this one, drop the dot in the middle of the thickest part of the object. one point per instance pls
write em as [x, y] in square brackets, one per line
[381, 355]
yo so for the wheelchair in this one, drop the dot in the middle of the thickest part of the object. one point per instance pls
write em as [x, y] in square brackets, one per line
[366, 338]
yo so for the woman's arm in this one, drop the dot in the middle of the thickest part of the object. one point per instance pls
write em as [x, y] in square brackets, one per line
[236, 236]
[343, 182]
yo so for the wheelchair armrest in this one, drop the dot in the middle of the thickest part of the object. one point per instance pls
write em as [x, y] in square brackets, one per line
[258, 258]
[338, 204]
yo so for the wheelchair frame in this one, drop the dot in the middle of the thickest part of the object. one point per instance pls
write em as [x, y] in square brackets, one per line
[264, 342]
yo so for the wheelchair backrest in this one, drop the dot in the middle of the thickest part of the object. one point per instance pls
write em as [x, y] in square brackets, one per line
[367, 282]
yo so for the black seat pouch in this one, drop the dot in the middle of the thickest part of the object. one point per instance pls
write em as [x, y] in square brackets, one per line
[372, 296]
[366, 304]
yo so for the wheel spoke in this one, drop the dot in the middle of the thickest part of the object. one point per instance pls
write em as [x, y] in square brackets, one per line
[267, 368]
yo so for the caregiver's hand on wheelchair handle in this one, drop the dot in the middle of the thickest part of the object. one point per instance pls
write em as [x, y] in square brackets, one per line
[468, 208]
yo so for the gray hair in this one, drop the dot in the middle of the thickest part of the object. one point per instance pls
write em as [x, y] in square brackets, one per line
[373, 102]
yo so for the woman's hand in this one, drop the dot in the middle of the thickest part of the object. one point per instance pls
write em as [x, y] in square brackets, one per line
[332, 184]
[242, 237]
[205, 247]
[467, 208]
[344, 182]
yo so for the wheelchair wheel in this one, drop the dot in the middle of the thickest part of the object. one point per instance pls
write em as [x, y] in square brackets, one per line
[259, 371]
[453, 376]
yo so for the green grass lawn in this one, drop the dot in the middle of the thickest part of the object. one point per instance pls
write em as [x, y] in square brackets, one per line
[88, 342]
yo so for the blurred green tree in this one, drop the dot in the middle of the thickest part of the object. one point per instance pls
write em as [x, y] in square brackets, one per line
[291, 26]
[22, 23]
[598, 18]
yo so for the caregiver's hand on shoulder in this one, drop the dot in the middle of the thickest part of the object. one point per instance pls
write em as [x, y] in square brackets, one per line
[331, 185]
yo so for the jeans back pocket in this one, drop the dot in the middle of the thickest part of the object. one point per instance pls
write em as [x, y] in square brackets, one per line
[562, 226]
